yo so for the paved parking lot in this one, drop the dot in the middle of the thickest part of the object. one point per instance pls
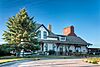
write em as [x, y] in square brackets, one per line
[58, 63]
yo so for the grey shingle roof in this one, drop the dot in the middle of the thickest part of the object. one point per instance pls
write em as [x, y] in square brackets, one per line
[70, 39]
[76, 40]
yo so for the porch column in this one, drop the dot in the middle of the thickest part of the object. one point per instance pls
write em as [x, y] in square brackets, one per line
[42, 47]
[57, 49]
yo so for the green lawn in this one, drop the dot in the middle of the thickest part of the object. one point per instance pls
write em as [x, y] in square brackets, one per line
[50, 56]
[56, 57]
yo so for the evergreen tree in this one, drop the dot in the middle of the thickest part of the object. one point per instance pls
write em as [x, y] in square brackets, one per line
[21, 31]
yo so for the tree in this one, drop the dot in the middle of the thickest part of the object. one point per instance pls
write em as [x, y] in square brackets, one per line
[21, 30]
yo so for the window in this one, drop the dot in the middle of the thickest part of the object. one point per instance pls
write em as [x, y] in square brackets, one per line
[44, 34]
[53, 46]
[39, 34]
[62, 38]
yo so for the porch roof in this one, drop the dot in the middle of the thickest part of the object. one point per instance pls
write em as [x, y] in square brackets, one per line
[69, 40]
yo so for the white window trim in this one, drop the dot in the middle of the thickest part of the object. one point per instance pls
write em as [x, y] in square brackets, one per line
[61, 39]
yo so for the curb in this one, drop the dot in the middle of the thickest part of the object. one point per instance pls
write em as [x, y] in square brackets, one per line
[13, 62]
[7, 63]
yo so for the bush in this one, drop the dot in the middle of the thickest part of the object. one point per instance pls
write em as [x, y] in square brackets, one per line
[5, 50]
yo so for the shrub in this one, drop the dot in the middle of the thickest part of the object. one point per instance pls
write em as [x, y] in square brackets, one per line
[5, 50]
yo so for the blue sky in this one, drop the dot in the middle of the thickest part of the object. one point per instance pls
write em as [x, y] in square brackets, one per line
[84, 15]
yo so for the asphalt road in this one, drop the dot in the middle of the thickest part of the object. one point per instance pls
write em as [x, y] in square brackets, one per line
[54, 63]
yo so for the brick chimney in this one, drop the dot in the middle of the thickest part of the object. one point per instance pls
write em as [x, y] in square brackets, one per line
[69, 31]
[49, 27]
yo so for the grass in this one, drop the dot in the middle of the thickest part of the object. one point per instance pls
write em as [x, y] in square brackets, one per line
[50, 57]
[56, 57]
[8, 57]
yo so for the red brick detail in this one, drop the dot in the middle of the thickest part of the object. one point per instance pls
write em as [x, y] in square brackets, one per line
[69, 31]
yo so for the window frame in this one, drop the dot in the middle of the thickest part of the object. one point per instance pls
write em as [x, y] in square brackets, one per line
[44, 35]
[39, 34]
[60, 38]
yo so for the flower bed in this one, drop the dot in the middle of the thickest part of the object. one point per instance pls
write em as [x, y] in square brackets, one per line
[92, 60]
